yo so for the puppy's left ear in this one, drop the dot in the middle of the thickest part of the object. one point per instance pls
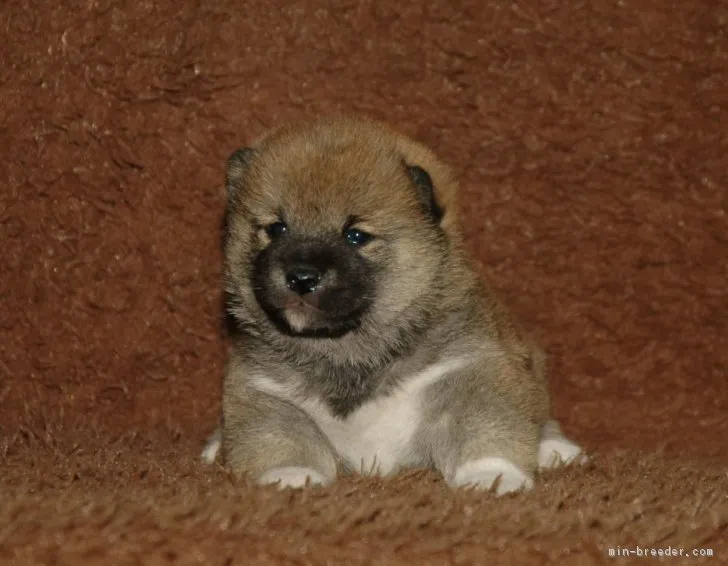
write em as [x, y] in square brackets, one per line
[425, 192]
[235, 170]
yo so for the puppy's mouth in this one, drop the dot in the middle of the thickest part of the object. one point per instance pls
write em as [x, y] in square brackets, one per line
[319, 314]
[301, 313]
[308, 303]
[302, 318]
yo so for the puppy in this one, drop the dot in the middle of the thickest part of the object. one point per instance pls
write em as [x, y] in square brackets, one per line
[363, 340]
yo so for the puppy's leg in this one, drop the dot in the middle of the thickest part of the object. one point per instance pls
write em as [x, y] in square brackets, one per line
[484, 437]
[212, 446]
[497, 451]
[555, 449]
[274, 441]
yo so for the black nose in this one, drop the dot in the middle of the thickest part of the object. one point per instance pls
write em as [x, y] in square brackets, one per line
[303, 279]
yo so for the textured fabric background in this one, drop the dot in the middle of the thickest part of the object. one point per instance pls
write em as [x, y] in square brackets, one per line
[592, 144]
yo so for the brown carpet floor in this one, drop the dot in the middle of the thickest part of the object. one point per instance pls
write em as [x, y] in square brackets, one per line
[592, 142]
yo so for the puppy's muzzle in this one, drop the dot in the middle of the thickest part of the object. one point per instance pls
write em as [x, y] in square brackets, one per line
[303, 279]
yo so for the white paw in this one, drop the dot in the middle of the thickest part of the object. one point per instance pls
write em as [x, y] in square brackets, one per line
[293, 476]
[212, 448]
[485, 472]
[557, 450]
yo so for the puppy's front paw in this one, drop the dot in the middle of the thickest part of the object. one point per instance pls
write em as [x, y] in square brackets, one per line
[293, 476]
[485, 472]
[212, 447]
[555, 449]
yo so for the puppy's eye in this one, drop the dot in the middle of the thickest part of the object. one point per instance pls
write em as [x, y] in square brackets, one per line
[356, 238]
[276, 230]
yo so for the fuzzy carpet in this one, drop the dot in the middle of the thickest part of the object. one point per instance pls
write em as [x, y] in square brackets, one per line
[592, 143]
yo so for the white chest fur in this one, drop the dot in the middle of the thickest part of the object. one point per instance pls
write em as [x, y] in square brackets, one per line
[377, 437]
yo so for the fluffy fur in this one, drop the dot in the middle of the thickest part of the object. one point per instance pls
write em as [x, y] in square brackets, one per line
[363, 339]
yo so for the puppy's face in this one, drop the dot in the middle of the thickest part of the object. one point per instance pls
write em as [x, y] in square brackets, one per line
[313, 282]
[329, 233]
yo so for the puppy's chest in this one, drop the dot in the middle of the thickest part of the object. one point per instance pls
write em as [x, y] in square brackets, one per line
[377, 436]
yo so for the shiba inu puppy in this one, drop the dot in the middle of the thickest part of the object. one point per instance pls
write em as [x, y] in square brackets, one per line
[363, 339]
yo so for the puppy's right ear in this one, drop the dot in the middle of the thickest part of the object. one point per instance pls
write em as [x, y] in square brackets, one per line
[235, 169]
[425, 192]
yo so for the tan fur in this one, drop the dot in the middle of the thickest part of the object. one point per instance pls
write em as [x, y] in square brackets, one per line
[321, 172]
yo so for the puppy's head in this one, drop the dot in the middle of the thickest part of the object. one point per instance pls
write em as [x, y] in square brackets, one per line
[333, 230]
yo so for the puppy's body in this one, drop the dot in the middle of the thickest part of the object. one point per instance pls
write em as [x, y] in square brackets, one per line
[364, 340]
